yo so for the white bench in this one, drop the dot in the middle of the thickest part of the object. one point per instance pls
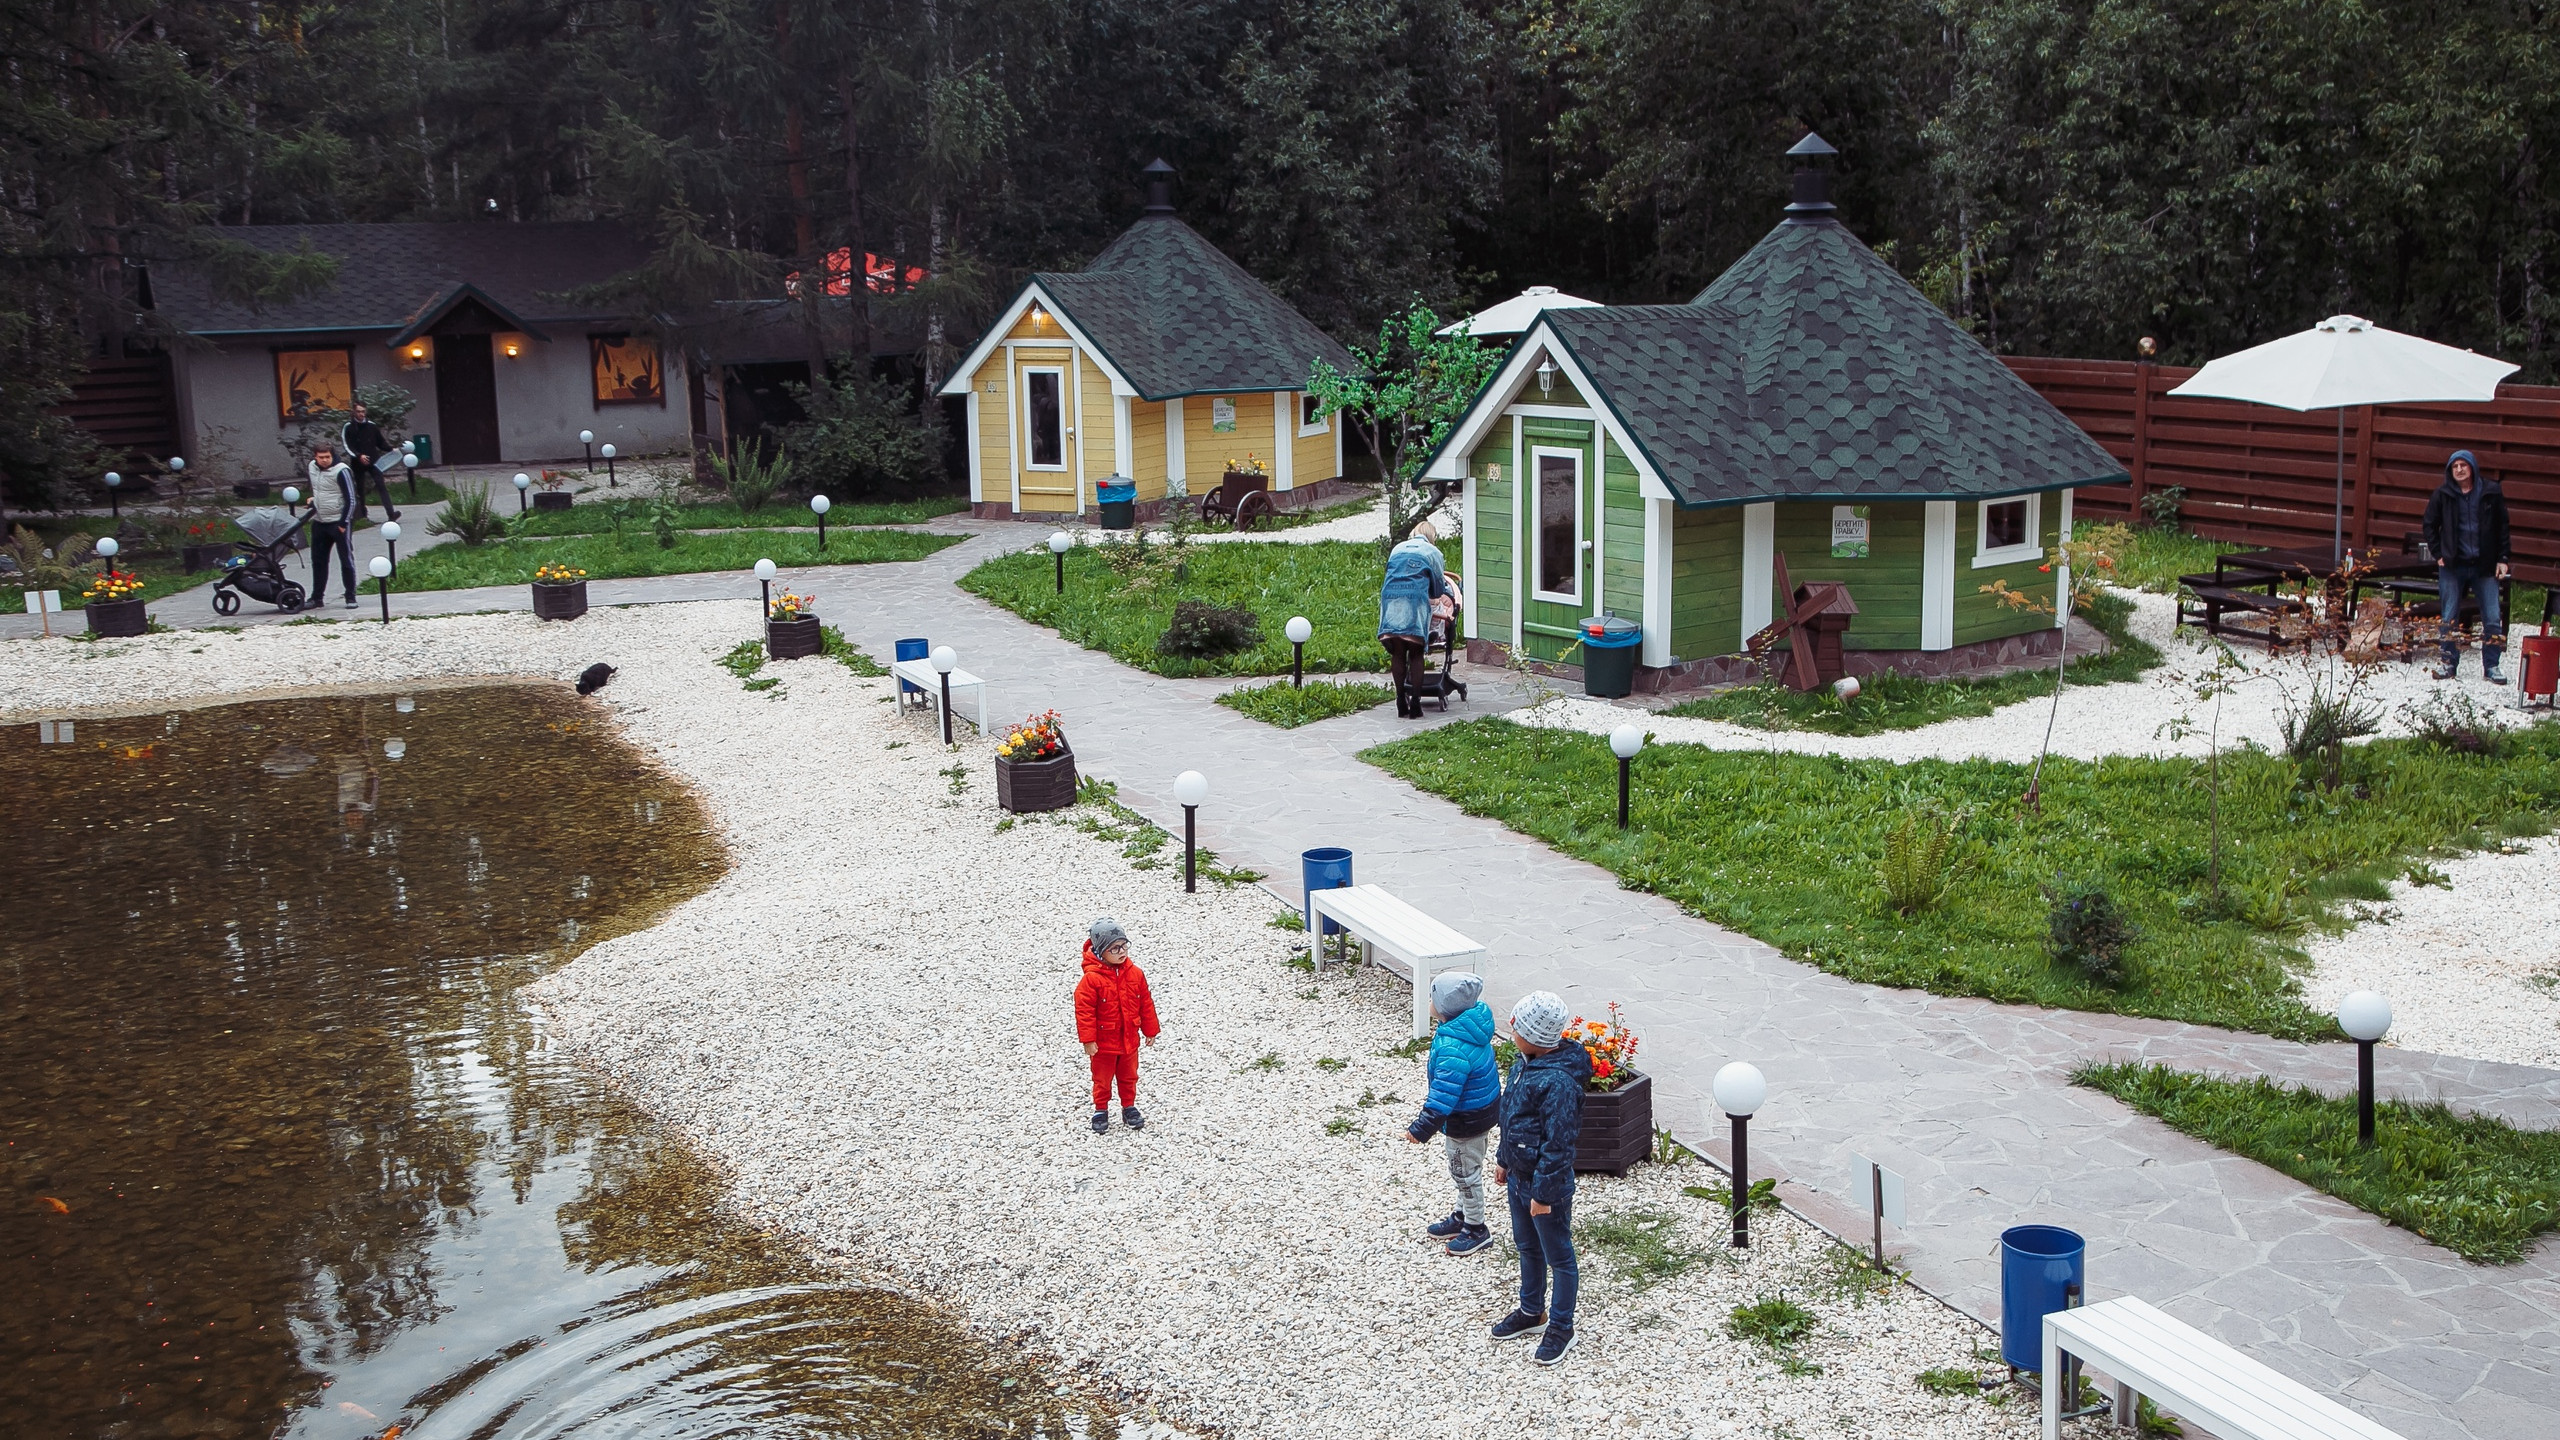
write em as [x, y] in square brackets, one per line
[922, 675]
[1380, 921]
[2189, 1374]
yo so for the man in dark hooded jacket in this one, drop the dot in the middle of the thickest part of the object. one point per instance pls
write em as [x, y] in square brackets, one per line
[2466, 526]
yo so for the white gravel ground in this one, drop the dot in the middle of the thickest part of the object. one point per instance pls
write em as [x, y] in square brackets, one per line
[2095, 720]
[866, 1022]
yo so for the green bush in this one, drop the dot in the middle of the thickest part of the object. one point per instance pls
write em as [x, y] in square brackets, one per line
[1915, 871]
[751, 478]
[469, 518]
[1202, 630]
[1772, 1320]
[864, 435]
[2086, 931]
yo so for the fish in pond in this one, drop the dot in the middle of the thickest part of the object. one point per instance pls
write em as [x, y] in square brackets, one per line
[594, 678]
[56, 1206]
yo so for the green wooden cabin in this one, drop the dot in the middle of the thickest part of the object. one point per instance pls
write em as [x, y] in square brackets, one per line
[1811, 403]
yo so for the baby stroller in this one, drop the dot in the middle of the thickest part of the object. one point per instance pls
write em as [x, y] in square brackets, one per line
[258, 571]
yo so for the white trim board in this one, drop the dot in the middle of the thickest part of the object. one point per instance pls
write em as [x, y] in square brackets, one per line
[1937, 574]
[1519, 544]
[977, 454]
[1759, 566]
[999, 334]
[1467, 555]
[2062, 570]
[1535, 478]
[2032, 548]
[1658, 525]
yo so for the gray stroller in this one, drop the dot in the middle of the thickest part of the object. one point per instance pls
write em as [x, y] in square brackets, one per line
[258, 570]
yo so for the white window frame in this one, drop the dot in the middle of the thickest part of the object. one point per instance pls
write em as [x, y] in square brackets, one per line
[1538, 530]
[1306, 427]
[1984, 557]
[1066, 426]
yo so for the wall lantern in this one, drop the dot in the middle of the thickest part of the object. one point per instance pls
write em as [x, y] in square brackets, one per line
[512, 346]
[1039, 319]
[1546, 377]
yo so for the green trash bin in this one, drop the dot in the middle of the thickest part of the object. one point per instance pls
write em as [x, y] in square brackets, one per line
[426, 444]
[1609, 649]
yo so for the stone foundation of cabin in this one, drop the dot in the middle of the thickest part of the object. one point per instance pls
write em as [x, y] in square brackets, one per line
[1977, 660]
[1150, 512]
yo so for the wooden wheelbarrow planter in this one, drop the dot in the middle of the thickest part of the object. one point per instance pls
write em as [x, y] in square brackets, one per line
[1239, 500]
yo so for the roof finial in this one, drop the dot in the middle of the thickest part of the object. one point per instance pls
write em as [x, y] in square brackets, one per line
[1812, 201]
[1159, 187]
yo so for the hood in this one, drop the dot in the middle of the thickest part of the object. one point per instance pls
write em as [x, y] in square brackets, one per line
[1473, 1026]
[1095, 964]
[2479, 476]
[1572, 1059]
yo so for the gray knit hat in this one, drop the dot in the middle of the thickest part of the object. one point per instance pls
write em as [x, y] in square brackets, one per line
[1455, 993]
[1539, 1019]
[1106, 932]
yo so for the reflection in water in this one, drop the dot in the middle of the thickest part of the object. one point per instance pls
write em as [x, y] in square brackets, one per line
[284, 1155]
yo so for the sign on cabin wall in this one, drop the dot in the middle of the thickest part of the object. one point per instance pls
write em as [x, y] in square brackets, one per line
[1850, 530]
[1222, 415]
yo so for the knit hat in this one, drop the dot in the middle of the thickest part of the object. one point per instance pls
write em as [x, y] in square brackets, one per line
[1455, 993]
[1106, 932]
[1539, 1019]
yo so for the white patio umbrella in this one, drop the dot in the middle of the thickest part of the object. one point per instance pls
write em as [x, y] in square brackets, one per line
[2344, 361]
[1512, 316]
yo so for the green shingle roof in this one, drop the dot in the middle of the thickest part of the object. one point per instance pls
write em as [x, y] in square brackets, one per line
[1811, 370]
[1175, 316]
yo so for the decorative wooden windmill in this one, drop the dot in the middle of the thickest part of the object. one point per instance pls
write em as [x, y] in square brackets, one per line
[1817, 613]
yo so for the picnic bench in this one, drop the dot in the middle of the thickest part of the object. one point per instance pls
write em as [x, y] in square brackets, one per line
[927, 683]
[1380, 921]
[2189, 1374]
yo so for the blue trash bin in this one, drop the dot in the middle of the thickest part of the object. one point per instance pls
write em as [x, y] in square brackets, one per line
[2042, 1269]
[1325, 868]
[912, 650]
[1118, 501]
[1609, 651]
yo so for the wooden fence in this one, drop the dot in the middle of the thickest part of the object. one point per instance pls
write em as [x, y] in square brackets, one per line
[2264, 476]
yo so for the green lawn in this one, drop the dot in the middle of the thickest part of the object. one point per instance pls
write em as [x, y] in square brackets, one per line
[588, 516]
[2474, 1185]
[1898, 702]
[512, 562]
[1289, 706]
[2159, 557]
[1786, 848]
[1333, 583]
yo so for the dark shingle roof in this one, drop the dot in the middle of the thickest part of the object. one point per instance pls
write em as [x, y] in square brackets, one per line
[1838, 378]
[387, 272]
[1175, 316]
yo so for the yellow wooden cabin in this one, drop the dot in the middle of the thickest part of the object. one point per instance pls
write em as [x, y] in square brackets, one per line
[1160, 362]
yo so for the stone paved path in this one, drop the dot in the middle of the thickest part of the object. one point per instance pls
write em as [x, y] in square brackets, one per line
[1968, 1099]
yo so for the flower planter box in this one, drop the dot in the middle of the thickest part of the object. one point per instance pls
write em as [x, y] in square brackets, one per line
[792, 639]
[553, 500]
[203, 557]
[1023, 786]
[559, 601]
[116, 619]
[1617, 1126]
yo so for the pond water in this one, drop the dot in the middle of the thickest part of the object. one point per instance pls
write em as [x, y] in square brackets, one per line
[285, 1155]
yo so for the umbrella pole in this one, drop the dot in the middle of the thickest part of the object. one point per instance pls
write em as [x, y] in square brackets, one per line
[2338, 525]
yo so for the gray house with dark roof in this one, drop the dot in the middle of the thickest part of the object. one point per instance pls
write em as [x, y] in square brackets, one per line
[469, 318]
[1161, 362]
[1656, 460]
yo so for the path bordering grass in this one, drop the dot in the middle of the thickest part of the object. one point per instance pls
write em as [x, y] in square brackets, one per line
[512, 562]
[1786, 847]
[2472, 1184]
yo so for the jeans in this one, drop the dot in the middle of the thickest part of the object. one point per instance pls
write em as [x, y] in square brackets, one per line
[1545, 1243]
[1466, 1169]
[325, 538]
[2453, 581]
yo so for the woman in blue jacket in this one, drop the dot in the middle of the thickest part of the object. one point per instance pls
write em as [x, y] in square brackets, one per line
[1416, 576]
[1466, 1092]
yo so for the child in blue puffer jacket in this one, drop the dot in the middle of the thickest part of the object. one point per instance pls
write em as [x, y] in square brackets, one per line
[1466, 1096]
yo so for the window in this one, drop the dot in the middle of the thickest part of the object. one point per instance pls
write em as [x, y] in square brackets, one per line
[1559, 525]
[2007, 532]
[1046, 417]
[1311, 419]
[309, 382]
[627, 370]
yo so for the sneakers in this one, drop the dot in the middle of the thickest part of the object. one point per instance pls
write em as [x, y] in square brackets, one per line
[1101, 1121]
[1557, 1342]
[2494, 678]
[1470, 1240]
[1130, 1117]
[1518, 1323]
[1443, 1228]
[2446, 673]
[351, 602]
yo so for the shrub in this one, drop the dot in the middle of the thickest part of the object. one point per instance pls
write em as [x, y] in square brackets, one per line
[1915, 871]
[750, 478]
[1202, 630]
[2087, 932]
[2160, 507]
[2452, 720]
[469, 518]
[1772, 1320]
[2318, 725]
[865, 435]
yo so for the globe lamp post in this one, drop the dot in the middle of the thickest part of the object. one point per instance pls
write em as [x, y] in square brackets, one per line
[1739, 1089]
[608, 467]
[1190, 788]
[524, 483]
[1625, 742]
[1060, 542]
[765, 571]
[391, 542]
[2366, 1017]
[819, 505]
[115, 495]
[1299, 633]
[587, 439]
[945, 660]
[381, 569]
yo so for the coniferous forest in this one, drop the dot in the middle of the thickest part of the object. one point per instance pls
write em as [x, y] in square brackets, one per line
[2064, 176]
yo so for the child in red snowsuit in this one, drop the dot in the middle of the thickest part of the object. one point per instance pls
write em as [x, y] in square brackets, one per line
[1115, 1012]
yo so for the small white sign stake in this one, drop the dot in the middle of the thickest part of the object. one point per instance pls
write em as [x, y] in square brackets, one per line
[1885, 1195]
